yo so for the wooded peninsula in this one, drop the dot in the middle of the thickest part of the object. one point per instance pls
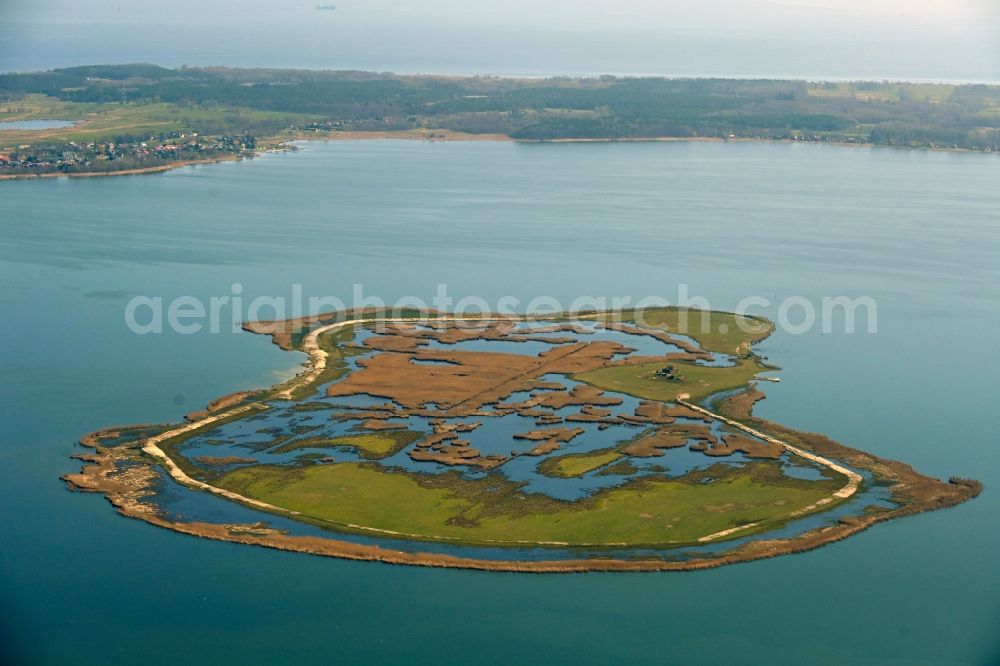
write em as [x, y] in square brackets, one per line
[143, 116]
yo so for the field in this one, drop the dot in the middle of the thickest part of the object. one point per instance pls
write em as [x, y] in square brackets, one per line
[698, 381]
[330, 103]
[891, 92]
[105, 122]
[715, 331]
[656, 511]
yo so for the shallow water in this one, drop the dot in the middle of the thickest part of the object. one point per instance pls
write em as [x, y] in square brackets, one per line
[256, 437]
[32, 125]
[917, 231]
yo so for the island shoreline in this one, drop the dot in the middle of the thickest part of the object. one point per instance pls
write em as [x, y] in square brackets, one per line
[915, 493]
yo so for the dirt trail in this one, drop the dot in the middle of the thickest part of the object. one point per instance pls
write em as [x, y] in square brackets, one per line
[316, 364]
[853, 478]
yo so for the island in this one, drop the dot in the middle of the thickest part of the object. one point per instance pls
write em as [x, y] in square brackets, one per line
[142, 118]
[597, 441]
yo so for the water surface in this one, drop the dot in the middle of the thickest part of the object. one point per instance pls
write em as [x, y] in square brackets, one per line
[917, 231]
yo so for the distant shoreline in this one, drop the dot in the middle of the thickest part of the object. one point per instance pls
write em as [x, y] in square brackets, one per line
[123, 172]
[448, 135]
[275, 144]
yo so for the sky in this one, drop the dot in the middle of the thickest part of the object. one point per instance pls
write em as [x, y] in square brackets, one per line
[818, 39]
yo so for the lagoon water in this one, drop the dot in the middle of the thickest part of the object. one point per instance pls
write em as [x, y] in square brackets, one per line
[916, 231]
[33, 125]
[848, 40]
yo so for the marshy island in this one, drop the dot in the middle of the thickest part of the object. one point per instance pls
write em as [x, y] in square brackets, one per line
[611, 441]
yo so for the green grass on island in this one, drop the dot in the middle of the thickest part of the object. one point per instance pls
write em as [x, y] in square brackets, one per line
[698, 381]
[372, 446]
[651, 511]
[724, 332]
[577, 464]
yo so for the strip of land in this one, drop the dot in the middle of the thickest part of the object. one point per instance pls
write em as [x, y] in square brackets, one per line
[176, 117]
[316, 365]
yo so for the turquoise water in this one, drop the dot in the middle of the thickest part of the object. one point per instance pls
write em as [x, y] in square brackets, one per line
[917, 231]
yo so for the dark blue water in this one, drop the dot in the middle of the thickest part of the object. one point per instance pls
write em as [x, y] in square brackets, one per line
[916, 231]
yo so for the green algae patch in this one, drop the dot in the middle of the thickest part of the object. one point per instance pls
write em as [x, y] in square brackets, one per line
[649, 511]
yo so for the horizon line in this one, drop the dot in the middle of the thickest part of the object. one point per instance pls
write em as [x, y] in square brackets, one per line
[580, 76]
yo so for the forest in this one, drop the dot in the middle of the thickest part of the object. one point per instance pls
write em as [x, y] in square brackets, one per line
[880, 113]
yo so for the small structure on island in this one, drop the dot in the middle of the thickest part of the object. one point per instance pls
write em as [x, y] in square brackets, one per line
[669, 373]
